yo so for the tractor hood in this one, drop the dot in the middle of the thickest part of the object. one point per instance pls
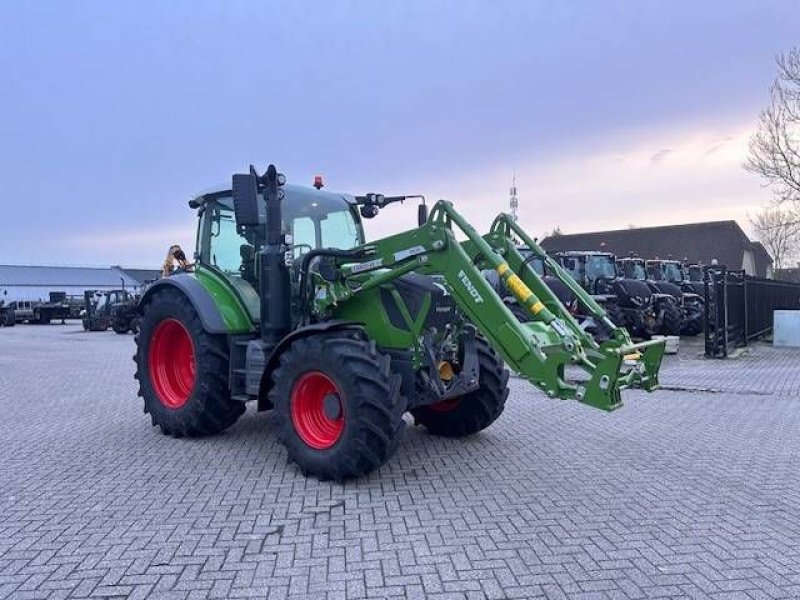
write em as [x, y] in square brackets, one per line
[631, 292]
[667, 287]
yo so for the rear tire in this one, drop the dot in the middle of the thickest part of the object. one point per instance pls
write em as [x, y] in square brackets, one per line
[183, 370]
[693, 327]
[473, 412]
[339, 408]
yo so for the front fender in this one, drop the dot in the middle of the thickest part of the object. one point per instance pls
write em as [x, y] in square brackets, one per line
[275, 353]
[662, 297]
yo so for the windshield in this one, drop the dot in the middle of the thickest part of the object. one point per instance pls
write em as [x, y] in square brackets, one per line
[673, 272]
[325, 221]
[632, 270]
[600, 267]
[696, 273]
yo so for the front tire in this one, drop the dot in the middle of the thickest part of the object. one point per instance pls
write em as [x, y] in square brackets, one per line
[338, 406]
[475, 411]
[183, 370]
[671, 325]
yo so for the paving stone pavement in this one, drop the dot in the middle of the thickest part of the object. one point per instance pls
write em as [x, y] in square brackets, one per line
[682, 493]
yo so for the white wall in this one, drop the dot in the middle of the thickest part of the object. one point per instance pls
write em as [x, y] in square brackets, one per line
[749, 263]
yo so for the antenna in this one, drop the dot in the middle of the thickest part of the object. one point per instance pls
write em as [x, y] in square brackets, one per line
[513, 202]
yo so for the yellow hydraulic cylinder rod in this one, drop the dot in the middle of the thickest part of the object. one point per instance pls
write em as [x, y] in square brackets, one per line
[523, 294]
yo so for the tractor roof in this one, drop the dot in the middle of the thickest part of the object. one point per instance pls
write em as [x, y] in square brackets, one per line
[582, 253]
[294, 193]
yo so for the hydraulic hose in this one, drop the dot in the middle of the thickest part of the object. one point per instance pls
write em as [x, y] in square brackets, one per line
[305, 264]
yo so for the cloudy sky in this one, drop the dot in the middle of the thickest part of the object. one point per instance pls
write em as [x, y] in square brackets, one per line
[611, 113]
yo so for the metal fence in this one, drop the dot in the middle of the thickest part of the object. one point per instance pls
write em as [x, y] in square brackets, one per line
[739, 308]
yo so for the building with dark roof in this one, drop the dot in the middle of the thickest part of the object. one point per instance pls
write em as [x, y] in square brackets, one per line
[25, 282]
[723, 241]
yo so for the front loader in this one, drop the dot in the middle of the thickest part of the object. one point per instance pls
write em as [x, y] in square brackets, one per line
[289, 307]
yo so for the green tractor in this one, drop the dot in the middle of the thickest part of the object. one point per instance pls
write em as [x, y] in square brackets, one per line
[289, 307]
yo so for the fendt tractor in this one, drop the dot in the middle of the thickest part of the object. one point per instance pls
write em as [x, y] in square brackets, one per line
[669, 277]
[654, 311]
[596, 273]
[289, 307]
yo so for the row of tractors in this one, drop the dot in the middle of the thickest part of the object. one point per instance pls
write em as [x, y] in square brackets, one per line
[647, 297]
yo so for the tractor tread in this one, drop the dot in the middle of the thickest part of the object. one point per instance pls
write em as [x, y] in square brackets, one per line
[209, 409]
[477, 410]
[372, 395]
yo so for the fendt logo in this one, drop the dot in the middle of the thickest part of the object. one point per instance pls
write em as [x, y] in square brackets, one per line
[473, 291]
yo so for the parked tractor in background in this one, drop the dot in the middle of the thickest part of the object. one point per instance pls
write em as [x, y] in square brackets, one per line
[694, 279]
[668, 277]
[631, 304]
[7, 315]
[648, 311]
[290, 307]
[595, 273]
[561, 291]
[116, 309]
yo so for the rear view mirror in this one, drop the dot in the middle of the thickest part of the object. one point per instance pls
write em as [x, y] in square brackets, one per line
[245, 200]
[422, 214]
[369, 212]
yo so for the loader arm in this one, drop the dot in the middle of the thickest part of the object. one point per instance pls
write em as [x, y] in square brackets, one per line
[539, 350]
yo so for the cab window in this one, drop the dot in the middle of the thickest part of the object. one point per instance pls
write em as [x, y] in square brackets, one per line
[226, 245]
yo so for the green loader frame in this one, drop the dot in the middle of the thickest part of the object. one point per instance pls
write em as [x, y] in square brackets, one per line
[539, 350]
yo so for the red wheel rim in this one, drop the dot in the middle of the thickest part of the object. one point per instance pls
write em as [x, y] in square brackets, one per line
[445, 405]
[318, 428]
[172, 363]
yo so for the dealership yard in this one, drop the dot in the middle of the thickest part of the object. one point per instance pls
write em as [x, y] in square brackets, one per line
[692, 491]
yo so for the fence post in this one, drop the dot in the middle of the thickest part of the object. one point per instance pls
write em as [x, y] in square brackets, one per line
[710, 325]
[745, 311]
[723, 272]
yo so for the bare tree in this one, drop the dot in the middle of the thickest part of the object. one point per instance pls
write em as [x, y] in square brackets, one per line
[775, 146]
[779, 230]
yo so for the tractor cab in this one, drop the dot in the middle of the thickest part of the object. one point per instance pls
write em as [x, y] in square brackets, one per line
[666, 270]
[632, 268]
[592, 270]
[312, 219]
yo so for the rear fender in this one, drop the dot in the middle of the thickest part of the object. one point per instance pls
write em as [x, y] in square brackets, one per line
[221, 313]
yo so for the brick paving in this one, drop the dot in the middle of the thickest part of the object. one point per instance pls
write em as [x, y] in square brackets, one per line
[690, 492]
